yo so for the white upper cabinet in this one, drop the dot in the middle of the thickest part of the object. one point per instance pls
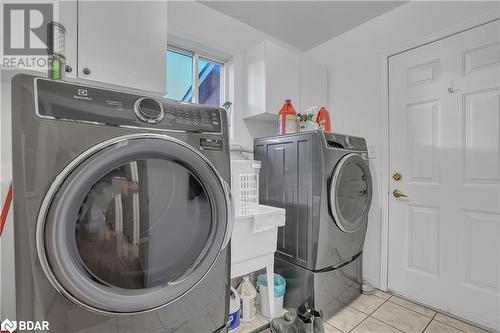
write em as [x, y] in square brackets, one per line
[274, 74]
[123, 43]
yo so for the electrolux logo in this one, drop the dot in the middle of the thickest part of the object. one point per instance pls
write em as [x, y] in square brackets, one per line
[25, 34]
[10, 326]
[82, 94]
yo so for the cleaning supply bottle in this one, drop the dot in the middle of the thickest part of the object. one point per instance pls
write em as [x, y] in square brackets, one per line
[310, 123]
[323, 120]
[287, 118]
[248, 294]
[234, 310]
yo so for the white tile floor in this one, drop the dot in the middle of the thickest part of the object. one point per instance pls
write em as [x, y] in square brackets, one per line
[382, 313]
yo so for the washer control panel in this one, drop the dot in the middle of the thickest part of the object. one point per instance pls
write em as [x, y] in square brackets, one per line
[68, 101]
[335, 140]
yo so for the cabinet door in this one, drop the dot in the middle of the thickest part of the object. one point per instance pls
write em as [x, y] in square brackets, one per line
[254, 73]
[123, 43]
[282, 77]
[313, 85]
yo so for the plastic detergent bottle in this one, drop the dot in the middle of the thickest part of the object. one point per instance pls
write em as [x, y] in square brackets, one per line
[323, 120]
[287, 119]
[234, 310]
[248, 294]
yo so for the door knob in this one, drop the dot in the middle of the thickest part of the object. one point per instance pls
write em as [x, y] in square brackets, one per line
[68, 69]
[398, 194]
[86, 71]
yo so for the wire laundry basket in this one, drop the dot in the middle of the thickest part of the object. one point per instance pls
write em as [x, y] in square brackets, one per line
[245, 186]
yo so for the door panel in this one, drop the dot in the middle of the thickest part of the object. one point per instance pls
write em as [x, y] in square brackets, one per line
[423, 222]
[481, 138]
[444, 237]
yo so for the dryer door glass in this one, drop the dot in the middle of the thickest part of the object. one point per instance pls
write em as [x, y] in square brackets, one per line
[350, 193]
[134, 225]
[143, 224]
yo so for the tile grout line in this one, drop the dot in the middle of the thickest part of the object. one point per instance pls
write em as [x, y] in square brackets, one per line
[431, 318]
[458, 329]
[368, 315]
[352, 329]
[385, 299]
[407, 308]
[383, 322]
[430, 321]
[435, 312]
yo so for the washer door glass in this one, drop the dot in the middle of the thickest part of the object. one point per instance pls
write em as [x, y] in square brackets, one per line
[134, 226]
[350, 193]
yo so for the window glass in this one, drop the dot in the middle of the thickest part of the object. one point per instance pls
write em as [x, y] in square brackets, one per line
[209, 83]
[145, 224]
[179, 76]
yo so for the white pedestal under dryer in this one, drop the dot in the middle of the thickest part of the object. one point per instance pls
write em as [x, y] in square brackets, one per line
[122, 211]
[324, 183]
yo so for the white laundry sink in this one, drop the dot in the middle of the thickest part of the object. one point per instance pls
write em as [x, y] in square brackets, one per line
[254, 238]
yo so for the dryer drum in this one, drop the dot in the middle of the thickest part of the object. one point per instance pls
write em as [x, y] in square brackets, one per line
[132, 224]
[350, 193]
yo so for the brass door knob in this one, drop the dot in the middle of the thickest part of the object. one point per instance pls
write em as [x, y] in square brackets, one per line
[398, 194]
[397, 176]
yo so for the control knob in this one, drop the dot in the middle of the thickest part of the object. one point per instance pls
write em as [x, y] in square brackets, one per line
[348, 141]
[149, 110]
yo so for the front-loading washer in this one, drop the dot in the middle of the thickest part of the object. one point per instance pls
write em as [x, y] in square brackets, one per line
[323, 181]
[122, 209]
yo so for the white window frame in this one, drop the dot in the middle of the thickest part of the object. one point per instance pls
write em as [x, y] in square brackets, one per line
[196, 59]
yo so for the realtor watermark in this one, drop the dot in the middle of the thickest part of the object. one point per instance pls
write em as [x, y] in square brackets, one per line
[11, 326]
[25, 35]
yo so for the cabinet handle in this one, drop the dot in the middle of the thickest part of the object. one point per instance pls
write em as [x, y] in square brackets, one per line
[68, 69]
[86, 71]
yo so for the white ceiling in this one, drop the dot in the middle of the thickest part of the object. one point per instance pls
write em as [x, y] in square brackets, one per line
[303, 24]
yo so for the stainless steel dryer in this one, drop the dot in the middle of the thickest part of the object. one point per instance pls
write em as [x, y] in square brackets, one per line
[324, 183]
[122, 212]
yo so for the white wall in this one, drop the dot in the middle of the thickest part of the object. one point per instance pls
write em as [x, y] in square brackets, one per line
[194, 24]
[356, 72]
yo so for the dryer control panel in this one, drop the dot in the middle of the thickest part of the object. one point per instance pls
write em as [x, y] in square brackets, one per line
[68, 101]
[341, 141]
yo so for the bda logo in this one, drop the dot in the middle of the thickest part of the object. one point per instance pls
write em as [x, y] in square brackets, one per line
[8, 326]
[25, 28]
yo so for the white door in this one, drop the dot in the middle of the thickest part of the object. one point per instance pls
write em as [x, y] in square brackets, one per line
[444, 241]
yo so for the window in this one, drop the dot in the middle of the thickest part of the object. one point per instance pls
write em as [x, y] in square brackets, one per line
[208, 81]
